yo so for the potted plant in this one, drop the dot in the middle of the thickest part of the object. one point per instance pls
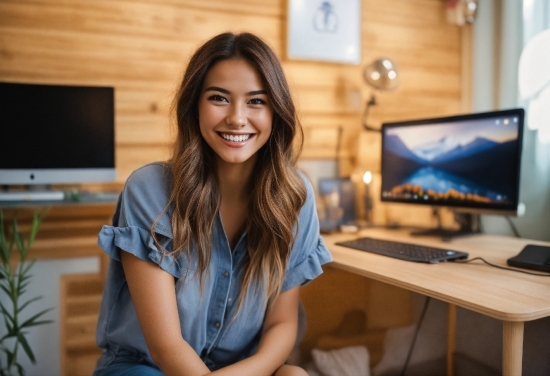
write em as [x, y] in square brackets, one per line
[15, 277]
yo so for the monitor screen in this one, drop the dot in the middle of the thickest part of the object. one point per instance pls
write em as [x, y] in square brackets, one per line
[467, 162]
[56, 134]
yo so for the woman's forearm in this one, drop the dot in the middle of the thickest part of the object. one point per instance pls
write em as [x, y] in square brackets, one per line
[156, 308]
[273, 350]
[181, 361]
[278, 338]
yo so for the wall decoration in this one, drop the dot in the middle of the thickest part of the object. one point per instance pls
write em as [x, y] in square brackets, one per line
[336, 204]
[325, 30]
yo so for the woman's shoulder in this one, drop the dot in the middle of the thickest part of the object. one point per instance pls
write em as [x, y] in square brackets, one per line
[154, 172]
[150, 179]
[310, 192]
[146, 193]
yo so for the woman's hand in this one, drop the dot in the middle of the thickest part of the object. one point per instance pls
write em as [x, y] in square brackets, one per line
[278, 339]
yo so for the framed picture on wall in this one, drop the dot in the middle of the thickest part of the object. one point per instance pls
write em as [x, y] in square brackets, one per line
[324, 30]
[336, 203]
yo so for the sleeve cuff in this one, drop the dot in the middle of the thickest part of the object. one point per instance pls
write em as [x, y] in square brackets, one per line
[138, 242]
[309, 269]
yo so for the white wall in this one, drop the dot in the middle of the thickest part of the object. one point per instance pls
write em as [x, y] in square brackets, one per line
[498, 41]
[44, 339]
[495, 82]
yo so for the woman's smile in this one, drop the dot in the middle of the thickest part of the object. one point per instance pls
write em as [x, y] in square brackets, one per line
[236, 140]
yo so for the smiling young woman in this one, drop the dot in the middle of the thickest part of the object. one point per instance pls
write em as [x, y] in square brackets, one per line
[209, 249]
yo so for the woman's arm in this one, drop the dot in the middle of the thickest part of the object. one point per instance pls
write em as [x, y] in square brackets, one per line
[278, 338]
[153, 294]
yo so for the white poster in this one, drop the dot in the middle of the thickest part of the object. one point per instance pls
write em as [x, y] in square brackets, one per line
[325, 30]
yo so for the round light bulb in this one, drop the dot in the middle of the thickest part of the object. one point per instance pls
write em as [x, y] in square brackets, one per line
[367, 177]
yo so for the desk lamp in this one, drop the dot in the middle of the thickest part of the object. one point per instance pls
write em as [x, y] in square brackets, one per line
[381, 75]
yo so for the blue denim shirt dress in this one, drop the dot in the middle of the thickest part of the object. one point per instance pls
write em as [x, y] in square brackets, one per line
[207, 321]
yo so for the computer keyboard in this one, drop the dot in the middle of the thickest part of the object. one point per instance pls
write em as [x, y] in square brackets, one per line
[403, 251]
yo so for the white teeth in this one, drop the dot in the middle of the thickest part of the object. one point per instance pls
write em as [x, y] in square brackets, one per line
[235, 138]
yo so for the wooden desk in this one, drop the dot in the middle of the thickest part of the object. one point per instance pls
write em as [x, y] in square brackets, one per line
[505, 295]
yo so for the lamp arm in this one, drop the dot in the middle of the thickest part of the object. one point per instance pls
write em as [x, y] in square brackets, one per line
[371, 102]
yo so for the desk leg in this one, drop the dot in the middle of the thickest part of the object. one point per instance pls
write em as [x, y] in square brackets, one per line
[512, 351]
[451, 338]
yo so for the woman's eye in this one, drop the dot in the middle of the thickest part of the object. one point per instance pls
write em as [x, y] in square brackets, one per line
[217, 98]
[256, 101]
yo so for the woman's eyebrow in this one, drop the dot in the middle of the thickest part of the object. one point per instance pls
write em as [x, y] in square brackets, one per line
[257, 92]
[217, 88]
[225, 91]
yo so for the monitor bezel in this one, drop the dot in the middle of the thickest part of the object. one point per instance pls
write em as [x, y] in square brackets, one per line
[51, 176]
[474, 208]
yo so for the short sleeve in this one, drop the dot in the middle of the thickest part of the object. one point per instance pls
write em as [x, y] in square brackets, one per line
[138, 242]
[309, 252]
[140, 204]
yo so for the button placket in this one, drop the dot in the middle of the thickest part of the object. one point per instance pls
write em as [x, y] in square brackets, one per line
[221, 289]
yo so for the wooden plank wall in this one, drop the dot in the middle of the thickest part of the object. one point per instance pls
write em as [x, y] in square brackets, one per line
[141, 47]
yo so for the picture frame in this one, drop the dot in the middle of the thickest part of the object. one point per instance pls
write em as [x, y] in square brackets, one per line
[324, 30]
[336, 203]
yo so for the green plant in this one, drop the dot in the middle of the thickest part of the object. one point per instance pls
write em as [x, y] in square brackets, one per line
[14, 279]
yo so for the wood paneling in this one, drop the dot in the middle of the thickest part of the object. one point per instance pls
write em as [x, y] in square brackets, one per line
[79, 311]
[141, 48]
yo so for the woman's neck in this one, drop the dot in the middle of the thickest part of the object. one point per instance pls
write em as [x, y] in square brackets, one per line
[234, 183]
[234, 180]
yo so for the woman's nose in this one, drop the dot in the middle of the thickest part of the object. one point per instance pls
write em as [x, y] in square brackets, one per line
[237, 116]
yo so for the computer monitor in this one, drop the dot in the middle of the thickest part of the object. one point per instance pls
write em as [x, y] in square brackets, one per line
[469, 163]
[56, 134]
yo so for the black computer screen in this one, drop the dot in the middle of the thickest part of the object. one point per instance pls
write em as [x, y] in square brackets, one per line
[471, 162]
[56, 133]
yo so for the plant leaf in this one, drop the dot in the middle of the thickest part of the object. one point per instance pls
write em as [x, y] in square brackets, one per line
[30, 322]
[7, 317]
[20, 369]
[26, 347]
[6, 290]
[11, 358]
[29, 302]
[19, 243]
[37, 219]
[28, 266]
[14, 281]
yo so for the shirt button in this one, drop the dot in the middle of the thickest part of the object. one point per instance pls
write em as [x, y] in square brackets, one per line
[217, 324]
[226, 274]
[230, 300]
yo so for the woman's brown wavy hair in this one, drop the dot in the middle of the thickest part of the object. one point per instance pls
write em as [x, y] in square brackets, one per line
[277, 192]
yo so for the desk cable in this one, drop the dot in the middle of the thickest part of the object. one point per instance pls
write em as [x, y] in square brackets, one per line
[518, 235]
[411, 348]
[513, 227]
[498, 266]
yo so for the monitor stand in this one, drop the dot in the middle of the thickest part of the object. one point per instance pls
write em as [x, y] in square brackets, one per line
[469, 224]
[32, 193]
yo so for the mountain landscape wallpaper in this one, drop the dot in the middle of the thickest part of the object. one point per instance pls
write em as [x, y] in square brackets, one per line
[472, 163]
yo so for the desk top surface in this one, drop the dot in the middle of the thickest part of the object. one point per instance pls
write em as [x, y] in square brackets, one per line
[502, 294]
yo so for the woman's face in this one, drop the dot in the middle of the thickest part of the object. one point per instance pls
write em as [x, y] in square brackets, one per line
[235, 113]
